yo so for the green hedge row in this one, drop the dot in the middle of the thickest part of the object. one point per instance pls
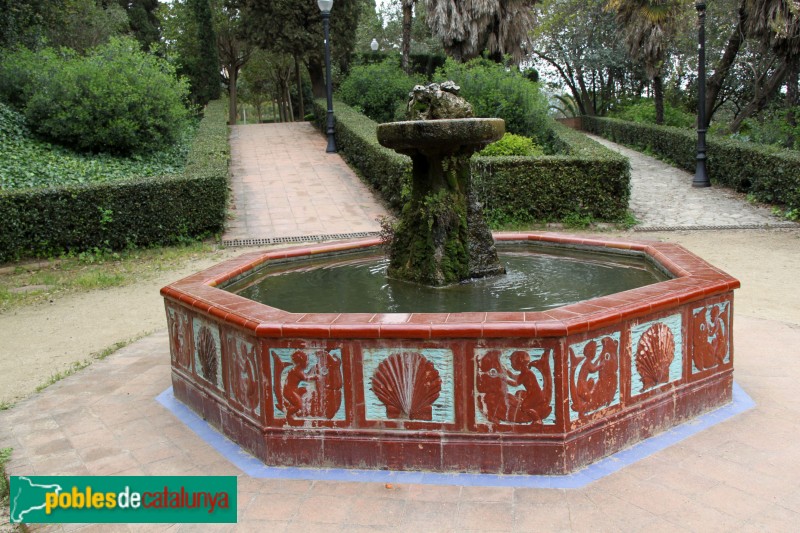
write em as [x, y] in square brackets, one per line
[586, 179]
[583, 179]
[768, 173]
[386, 170]
[137, 212]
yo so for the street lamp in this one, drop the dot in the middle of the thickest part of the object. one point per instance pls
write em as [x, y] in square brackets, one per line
[374, 45]
[701, 174]
[325, 6]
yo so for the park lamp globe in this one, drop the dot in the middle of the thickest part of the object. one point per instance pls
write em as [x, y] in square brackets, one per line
[325, 5]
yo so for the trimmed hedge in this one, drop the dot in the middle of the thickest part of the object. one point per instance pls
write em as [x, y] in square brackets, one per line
[586, 179]
[768, 173]
[356, 140]
[137, 212]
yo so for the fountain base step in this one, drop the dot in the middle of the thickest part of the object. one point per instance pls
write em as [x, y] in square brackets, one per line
[447, 451]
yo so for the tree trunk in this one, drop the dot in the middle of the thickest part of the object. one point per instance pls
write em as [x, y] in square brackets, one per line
[762, 98]
[299, 88]
[288, 93]
[715, 82]
[233, 74]
[658, 96]
[792, 101]
[316, 71]
[408, 12]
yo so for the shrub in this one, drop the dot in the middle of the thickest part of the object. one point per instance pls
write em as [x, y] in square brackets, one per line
[585, 181]
[511, 145]
[133, 212]
[494, 91]
[28, 162]
[768, 173]
[378, 90]
[644, 112]
[117, 99]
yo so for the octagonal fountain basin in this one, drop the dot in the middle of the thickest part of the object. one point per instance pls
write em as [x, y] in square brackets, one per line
[526, 388]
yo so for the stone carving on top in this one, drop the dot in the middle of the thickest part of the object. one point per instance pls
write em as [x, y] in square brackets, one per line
[243, 377]
[657, 349]
[514, 386]
[307, 383]
[437, 101]
[179, 345]
[409, 384]
[711, 337]
[593, 375]
[207, 351]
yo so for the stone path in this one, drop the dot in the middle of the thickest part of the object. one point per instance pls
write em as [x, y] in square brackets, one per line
[286, 188]
[662, 198]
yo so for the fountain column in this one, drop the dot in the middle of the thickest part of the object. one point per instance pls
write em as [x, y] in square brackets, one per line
[441, 237]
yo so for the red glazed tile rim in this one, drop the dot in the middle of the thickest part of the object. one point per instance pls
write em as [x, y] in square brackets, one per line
[694, 279]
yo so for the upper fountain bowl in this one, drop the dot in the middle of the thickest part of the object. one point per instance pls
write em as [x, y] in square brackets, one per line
[444, 135]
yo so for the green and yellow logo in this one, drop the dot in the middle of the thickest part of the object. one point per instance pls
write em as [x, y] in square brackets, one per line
[122, 499]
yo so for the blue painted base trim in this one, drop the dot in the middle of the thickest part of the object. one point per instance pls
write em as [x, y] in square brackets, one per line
[255, 468]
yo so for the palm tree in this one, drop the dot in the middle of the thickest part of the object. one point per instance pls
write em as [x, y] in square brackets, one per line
[648, 26]
[408, 16]
[468, 27]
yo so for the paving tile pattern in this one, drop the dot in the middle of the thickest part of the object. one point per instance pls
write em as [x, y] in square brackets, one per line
[662, 197]
[283, 184]
[741, 475]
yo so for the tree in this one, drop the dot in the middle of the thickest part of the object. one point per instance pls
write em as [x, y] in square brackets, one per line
[295, 28]
[776, 25]
[648, 26]
[408, 18]
[190, 43]
[143, 21]
[256, 81]
[234, 51]
[204, 70]
[578, 39]
[468, 27]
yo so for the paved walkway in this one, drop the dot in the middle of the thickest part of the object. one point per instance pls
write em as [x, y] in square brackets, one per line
[662, 198]
[286, 188]
[740, 475]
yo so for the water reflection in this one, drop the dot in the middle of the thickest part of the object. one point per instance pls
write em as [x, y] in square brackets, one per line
[358, 284]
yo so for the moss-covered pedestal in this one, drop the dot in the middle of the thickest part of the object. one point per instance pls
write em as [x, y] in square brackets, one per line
[441, 237]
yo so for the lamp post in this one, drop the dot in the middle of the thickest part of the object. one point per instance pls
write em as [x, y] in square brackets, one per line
[325, 6]
[374, 45]
[701, 173]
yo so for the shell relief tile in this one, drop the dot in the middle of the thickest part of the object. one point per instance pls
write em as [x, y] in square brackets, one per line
[207, 351]
[409, 384]
[656, 354]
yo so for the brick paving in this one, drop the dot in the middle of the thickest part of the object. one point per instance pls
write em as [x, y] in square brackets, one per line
[283, 184]
[740, 475]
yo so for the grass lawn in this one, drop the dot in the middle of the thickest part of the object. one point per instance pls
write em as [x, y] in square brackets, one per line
[28, 283]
